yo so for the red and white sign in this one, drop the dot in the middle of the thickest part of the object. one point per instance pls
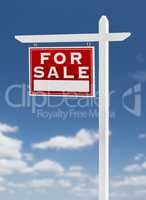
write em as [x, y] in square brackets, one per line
[62, 71]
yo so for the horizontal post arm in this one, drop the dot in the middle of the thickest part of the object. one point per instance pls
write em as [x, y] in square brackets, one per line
[114, 37]
[57, 38]
[91, 37]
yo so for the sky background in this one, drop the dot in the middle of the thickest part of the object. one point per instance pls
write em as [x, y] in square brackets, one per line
[49, 145]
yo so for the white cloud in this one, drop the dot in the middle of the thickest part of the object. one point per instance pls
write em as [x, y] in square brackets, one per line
[119, 195]
[3, 188]
[82, 139]
[11, 166]
[64, 183]
[142, 136]
[139, 76]
[10, 147]
[76, 187]
[140, 192]
[10, 151]
[133, 168]
[28, 156]
[48, 166]
[5, 128]
[75, 172]
[85, 187]
[76, 168]
[138, 167]
[139, 180]
[144, 165]
[1, 179]
[41, 183]
[139, 156]
[85, 190]
[15, 185]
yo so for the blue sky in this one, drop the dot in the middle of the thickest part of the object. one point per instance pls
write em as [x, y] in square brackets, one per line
[33, 162]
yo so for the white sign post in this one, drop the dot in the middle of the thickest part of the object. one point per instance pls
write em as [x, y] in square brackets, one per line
[103, 37]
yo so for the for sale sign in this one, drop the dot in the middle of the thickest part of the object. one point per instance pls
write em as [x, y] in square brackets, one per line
[62, 71]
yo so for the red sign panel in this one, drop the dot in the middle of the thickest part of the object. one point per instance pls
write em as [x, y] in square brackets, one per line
[62, 71]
